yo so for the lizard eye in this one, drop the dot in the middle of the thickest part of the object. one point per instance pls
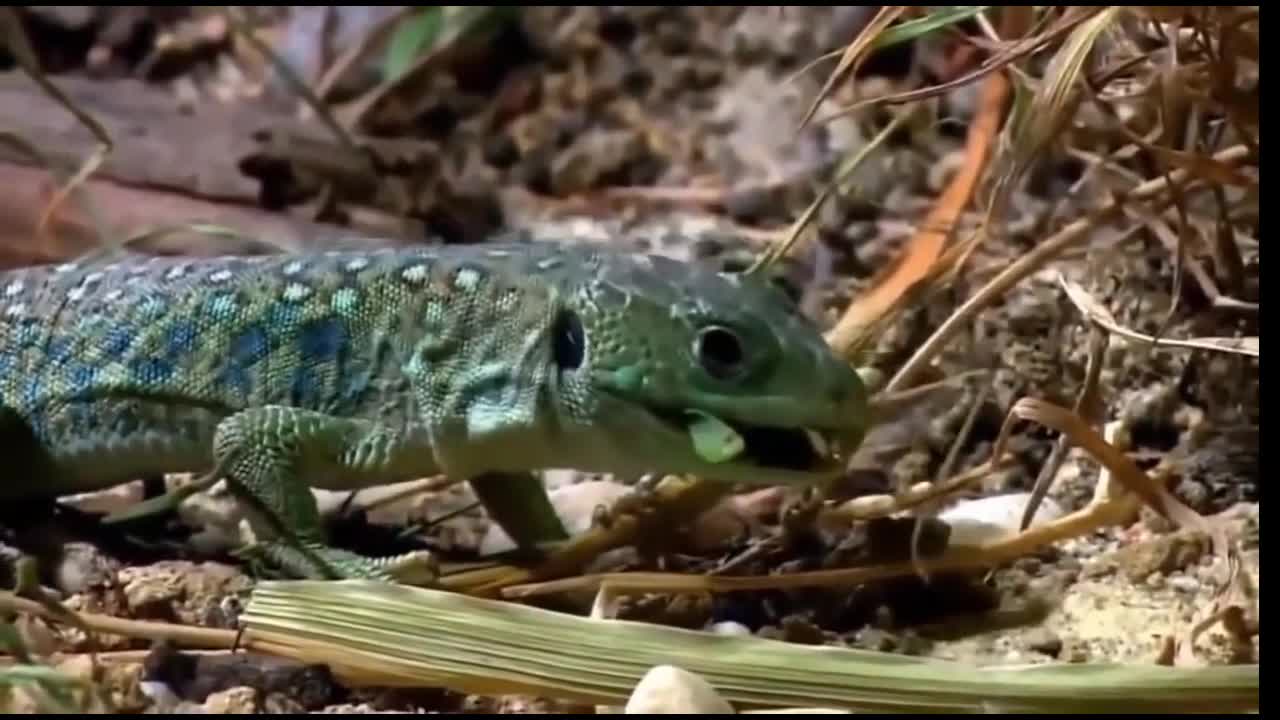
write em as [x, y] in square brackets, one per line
[719, 351]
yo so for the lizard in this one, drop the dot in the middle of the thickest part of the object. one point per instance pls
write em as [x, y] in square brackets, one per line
[346, 369]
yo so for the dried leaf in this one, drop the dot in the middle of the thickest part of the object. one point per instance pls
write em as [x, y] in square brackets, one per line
[1098, 313]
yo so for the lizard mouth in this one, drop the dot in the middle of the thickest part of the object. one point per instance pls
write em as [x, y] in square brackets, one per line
[773, 447]
[785, 448]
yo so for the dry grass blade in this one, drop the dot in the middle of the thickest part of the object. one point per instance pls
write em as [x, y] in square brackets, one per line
[1003, 58]
[185, 636]
[855, 54]
[360, 50]
[1097, 313]
[1205, 168]
[296, 83]
[1075, 232]
[1121, 467]
[900, 33]
[382, 634]
[783, 247]
[1089, 407]
[926, 264]
[1199, 165]
[18, 44]
[1031, 132]
[889, 291]
[462, 20]
[1174, 242]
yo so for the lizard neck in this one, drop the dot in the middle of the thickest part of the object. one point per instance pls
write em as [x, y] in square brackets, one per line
[487, 375]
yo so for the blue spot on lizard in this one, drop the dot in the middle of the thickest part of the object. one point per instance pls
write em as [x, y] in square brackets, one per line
[250, 346]
[182, 339]
[305, 390]
[61, 350]
[118, 341]
[151, 371]
[82, 377]
[247, 348]
[322, 340]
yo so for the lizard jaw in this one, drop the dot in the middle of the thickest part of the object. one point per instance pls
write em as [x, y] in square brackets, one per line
[816, 453]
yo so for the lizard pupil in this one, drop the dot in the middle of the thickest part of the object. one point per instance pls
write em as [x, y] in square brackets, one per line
[719, 352]
[568, 341]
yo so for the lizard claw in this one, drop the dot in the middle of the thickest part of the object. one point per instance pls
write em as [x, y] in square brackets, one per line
[419, 567]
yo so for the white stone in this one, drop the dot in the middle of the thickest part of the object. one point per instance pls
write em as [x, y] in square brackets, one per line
[669, 690]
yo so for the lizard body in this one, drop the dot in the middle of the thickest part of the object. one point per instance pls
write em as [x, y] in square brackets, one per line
[349, 369]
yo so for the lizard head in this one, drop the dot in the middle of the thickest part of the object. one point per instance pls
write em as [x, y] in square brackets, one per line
[684, 369]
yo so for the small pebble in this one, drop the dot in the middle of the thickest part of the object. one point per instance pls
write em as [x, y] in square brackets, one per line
[800, 630]
[235, 701]
[1029, 565]
[729, 627]
[1184, 583]
[877, 640]
[1077, 653]
[976, 522]
[1045, 642]
[669, 690]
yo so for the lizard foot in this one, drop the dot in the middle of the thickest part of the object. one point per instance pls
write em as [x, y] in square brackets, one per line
[311, 560]
[261, 451]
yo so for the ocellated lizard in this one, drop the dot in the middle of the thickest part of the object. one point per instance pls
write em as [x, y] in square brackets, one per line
[344, 370]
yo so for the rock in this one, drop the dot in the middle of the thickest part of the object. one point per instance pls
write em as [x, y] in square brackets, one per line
[729, 627]
[82, 567]
[593, 157]
[976, 522]
[1165, 554]
[1184, 584]
[198, 678]
[187, 592]
[669, 690]
[236, 701]
[1044, 641]
[802, 631]
[877, 640]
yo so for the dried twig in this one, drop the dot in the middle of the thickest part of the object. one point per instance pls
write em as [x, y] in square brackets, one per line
[18, 44]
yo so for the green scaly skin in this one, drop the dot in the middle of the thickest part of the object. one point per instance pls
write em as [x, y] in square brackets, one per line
[344, 370]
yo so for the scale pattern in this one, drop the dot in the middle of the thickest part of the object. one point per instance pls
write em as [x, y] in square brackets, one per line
[355, 368]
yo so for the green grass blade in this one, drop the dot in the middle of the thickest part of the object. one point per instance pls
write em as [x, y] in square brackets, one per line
[933, 22]
[413, 35]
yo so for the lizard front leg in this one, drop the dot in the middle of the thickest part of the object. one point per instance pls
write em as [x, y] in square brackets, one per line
[267, 455]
